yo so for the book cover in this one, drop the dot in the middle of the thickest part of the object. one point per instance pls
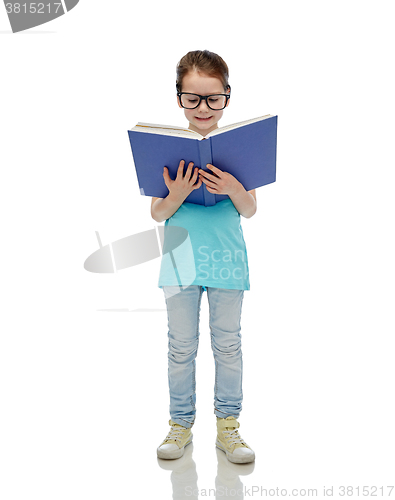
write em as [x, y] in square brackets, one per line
[247, 150]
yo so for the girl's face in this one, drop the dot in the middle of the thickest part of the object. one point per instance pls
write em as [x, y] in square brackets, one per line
[202, 119]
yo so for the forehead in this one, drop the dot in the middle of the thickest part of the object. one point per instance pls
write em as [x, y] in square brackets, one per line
[200, 83]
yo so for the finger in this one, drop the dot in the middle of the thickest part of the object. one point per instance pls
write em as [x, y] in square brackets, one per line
[166, 175]
[208, 183]
[180, 170]
[188, 173]
[211, 189]
[208, 179]
[207, 175]
[215, 170]
[195, 175]
[197, 186]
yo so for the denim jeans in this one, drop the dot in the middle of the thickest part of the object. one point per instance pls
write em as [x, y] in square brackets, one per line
[183, 310]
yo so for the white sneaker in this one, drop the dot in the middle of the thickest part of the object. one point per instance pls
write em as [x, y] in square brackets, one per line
[229, 441]
[174, 443]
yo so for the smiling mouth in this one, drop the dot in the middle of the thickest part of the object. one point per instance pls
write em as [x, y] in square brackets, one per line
[203, 119]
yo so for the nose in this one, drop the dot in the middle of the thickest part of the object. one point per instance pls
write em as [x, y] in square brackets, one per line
[203, 105]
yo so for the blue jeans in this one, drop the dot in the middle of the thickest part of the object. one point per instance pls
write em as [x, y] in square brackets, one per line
[183, 311]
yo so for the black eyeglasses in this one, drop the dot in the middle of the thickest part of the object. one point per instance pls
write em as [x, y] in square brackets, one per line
[215, 102]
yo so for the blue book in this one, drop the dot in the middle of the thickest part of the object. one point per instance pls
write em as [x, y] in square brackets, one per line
[247, 150]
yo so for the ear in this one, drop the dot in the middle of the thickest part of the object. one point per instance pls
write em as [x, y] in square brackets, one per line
[178, 102]
[228, 92]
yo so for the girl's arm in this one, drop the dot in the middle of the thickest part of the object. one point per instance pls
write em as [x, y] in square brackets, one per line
[163, 208]
[245, 202]
[179, 189]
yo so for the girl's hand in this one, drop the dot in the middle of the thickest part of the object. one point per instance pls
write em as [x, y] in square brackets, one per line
[183, 185]
[220, 182]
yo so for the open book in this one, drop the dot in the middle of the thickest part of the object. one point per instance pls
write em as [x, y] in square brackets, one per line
[247, 150]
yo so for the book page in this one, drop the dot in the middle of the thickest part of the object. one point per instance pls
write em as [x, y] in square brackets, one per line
[191, 134]
[236, 125]
[166, 130]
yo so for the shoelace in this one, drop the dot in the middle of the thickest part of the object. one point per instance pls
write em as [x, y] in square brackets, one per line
[233, 437]
[175, 434]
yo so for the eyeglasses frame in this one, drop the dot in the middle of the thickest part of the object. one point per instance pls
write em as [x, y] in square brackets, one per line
[204, 97]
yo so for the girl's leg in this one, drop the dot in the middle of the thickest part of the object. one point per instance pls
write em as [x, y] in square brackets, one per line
[225, 312]
[183, 310]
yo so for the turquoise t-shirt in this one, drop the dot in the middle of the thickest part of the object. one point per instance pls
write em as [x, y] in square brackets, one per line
[213, 255]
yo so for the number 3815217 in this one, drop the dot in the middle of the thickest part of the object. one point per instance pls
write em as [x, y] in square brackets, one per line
[32, 8]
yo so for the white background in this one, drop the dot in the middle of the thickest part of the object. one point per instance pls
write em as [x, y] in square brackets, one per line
[84, 397]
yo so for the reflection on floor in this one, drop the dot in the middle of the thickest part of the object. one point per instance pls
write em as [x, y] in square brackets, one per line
[184, 477]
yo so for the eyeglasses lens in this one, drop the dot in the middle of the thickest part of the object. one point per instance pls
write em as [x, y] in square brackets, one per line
[191, 101]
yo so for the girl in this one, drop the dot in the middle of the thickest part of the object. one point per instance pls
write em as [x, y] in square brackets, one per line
[220, 258]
